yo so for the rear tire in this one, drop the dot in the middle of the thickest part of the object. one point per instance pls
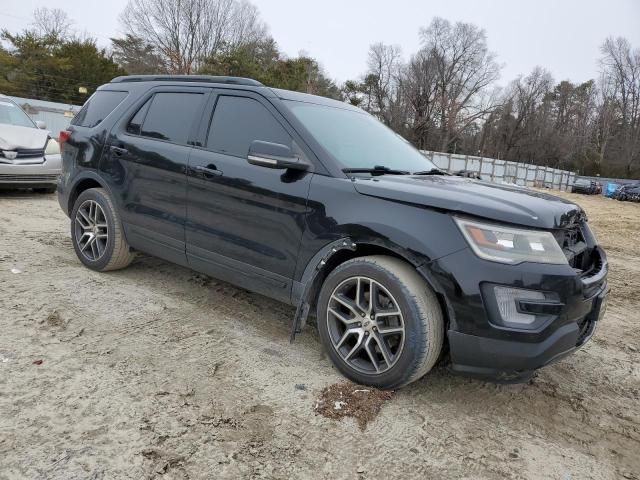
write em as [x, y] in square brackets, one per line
[402, 300]
[96, 232]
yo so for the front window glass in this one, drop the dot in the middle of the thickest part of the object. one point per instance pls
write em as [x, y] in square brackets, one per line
[358, 140]
[238, 121]
[11, 114]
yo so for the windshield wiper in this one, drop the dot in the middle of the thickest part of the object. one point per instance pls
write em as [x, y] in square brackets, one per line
[376, 170]
[433, 171]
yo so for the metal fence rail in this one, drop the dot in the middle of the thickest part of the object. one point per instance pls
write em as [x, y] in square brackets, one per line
[499, 171]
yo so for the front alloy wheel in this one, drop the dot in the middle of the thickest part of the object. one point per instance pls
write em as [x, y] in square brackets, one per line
[379, 321]
[365, 324]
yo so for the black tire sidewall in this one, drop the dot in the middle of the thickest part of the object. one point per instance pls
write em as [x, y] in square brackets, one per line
[410, 357]
[98, 197]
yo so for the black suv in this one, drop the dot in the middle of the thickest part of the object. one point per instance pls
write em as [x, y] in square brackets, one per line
[314, 202]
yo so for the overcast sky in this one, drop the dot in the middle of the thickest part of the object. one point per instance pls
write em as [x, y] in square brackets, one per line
[562, 35]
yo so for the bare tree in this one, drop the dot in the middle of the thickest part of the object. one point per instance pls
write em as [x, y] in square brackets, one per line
[420, 88]
[53, 23]
[185, 32]
[136, 56]
[465, 72]
[382, 77]
[621, 66]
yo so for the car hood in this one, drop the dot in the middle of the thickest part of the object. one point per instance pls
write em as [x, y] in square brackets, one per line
[13, 137]
[502, 203]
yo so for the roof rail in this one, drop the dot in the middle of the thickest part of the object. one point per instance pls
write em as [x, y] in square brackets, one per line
[188, 78]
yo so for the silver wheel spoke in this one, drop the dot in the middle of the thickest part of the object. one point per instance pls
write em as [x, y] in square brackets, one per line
[84, 217]
[387, 313]
[341, 317]
[88, 242]
[348, 303]
[390, 330]
[356, 347]
[346, 335]
[386, 354]
[371, 355]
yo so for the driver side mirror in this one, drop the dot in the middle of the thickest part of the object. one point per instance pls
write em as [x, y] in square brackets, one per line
[41, 125]
[274, 155]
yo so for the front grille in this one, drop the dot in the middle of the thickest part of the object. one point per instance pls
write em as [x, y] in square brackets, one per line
[30, 152]
[7, 177]
[26, 153]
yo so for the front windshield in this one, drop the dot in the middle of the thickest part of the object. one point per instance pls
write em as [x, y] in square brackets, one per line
[358, 140]
[11, 114]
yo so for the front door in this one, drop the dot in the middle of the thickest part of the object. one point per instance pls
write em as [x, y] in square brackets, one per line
[244, 222]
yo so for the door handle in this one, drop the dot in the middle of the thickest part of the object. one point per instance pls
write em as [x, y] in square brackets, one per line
[119, 151]
[209, 171]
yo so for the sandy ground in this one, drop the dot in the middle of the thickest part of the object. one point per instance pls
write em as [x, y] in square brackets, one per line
[156, 371]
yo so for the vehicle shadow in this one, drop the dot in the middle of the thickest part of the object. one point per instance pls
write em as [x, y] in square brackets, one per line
[26, 193]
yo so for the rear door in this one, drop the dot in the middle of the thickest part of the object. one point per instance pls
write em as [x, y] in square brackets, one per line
[244, 222]
[147, 160]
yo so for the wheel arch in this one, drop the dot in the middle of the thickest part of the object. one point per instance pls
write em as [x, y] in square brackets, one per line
[336, 253]
[84, 182]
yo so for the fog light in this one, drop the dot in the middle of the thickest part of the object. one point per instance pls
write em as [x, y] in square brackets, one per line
[508, 300]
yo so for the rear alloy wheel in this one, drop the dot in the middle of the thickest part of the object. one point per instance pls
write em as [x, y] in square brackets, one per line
[380, 322]
[92, 231]
[97, 234]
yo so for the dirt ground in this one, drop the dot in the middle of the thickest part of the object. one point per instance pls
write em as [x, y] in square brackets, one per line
[156, 371]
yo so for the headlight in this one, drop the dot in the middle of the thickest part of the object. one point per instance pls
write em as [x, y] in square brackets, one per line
[511, 245]
[52, 147]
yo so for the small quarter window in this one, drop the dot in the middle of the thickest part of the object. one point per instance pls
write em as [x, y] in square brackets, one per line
[96, 109]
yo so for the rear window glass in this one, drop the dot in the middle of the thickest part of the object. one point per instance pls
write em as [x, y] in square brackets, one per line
[171, 116]
[101, 104]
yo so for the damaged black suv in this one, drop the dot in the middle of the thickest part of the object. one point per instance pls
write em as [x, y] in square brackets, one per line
[314, 202]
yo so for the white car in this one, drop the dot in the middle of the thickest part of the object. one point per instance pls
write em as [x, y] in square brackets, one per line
[29, 157]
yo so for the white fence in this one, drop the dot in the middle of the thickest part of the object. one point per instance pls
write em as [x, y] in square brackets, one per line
[504, 171]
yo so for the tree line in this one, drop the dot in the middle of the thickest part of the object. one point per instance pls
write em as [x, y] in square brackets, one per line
[444, 97]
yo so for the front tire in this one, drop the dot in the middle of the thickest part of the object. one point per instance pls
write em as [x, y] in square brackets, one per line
[96, 232]
[380, 322]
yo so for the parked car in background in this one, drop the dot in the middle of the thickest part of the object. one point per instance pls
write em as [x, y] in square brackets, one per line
[598, 188]
[585, 186]
[628, 192]
[29, 157]
[314, 202]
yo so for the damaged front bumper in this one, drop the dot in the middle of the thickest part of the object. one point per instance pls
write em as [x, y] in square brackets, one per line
[482, 345]
[43, 171]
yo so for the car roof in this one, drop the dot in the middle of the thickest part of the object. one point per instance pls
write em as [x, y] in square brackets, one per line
[233, 82]
[316, 99]
[188, 78]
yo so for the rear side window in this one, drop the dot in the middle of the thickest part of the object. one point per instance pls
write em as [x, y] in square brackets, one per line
[238, 121]
[170, 116]
[101, 104]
